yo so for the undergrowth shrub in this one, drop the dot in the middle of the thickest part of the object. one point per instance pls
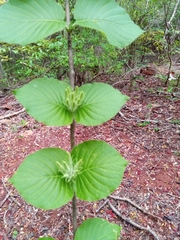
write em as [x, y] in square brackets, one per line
[48, 57]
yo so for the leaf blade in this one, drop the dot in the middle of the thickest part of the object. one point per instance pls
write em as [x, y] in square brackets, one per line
[39, 182]
[106, 16]
[102, 170]
[43, 99]
[97, 229]
[101, 103]
[26, 21]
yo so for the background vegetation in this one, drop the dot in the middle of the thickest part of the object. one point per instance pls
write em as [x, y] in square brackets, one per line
[92, 53]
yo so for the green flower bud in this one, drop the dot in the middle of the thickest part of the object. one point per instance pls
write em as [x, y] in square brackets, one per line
[70, 169]
[76, 90]
[81, 96]
[73, 98]
[74, 106]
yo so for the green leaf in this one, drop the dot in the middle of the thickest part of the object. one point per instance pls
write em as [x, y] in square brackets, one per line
[27, 21]
[39, 181]
[108, 17]
[102, 170]
[43, 99]
[101, 103]
[97, 229]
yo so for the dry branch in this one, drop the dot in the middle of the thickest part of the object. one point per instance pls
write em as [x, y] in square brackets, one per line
[135, 205]
[173, 15]
[12, 114]
[97, 75]
[8, 195]
[133, 223]
[102, 206]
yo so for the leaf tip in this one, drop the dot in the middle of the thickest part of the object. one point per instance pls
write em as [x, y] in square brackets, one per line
[10, 180]
[14, 91]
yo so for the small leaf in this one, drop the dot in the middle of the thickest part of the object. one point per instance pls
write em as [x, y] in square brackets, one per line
[101, 103]
[97, 229]
[27, 21]
[109, 18]
[43, 99]
[39, 181]
[102, 170]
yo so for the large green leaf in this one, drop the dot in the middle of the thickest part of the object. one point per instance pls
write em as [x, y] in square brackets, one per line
[97, 229]
[102, 169]
[106, 16]
[27, 21]
[100, 104]
[39, 181]
[43, 99]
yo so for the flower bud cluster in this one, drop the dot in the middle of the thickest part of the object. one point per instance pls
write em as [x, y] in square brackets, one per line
[69, 169]
[73, 98]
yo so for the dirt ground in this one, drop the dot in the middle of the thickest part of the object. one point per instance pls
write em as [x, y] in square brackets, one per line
[146, 132]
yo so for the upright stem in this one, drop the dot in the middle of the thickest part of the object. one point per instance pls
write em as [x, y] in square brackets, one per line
[74, 218]
[70, 52]
[1, 69]
[72, 130]
[72, 139]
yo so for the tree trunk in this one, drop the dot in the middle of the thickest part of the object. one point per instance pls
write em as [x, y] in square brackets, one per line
[1, 70]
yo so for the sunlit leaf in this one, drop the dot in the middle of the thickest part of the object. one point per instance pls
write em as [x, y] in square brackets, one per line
[39, 181]
[27, 21]
[101, 103]
[97, 229]
[109, 18]
[102, 169]
[43, 99]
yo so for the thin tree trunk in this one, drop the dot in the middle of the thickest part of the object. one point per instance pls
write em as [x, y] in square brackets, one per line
[1, 70]
[70, 52]
[72, 138]
[169, 39]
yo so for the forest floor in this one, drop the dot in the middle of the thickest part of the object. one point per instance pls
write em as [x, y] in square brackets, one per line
[146, 132]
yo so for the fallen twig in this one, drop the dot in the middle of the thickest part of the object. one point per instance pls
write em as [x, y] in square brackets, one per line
[173, 94]
[122, 115]
[6, 197]
[165, 129]
[133, 223]
[102, 206]
[120, 140]
[8, 194]
[148, 120]
[12, 114]
[130, 71]
[97, 75]
[4, 185]
[134, 118]
[135, 205]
